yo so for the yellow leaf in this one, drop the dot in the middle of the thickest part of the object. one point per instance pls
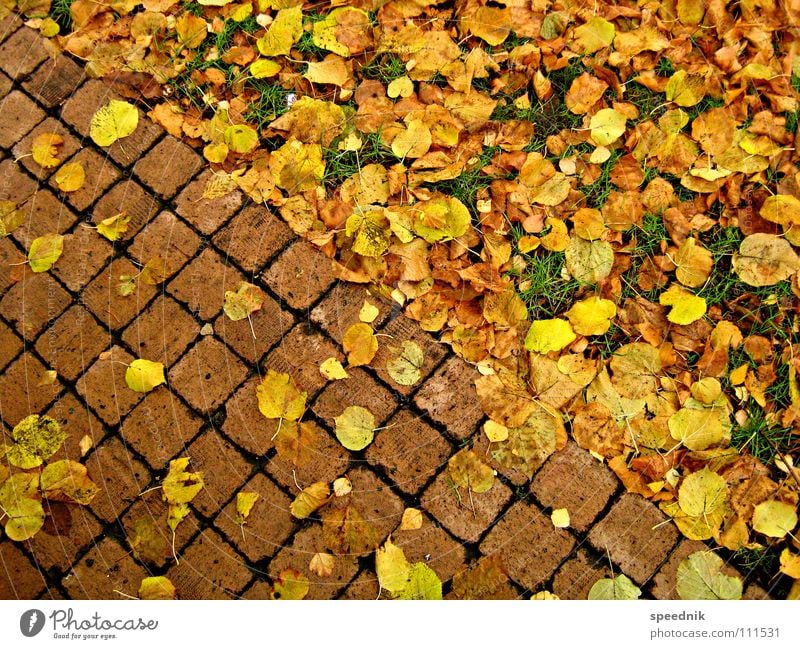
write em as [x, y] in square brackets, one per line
[36, 438]
[291, 584]
[607, 126]
[355, 428]
[552, 192]
[284, 31]
[790, 563]
[765, 260]
[781, 208]
[332, 369]
[48, 378]
[549, 336]
[694, 263]
[22, 510]
[70, 177]
[618, 588]
[371, 230]
[592, 316]
[360, 344]
[181, 486]
[216, 152]
[244, 505]
[702, 504]
[191, 30]
[264, 68]
[560, 518]
[589, 262]
[241, 138]
[322, 564]
[67, 480]
[45, 251]
[405, 368]
[774, 518]
[332, 70]
[328, 32]
[495, 432]
[279, 398]
[342, 487]
[423, 583]
[411, 520]
[392, 567]
[114, 227]
[45, 148]
[400, 87]
[690, 12]
[685, 89]
[10, 218]
[697, 428]
[297, 166]
[491, 24]
[115, 120]
[176, 513]
[310, 500]
[594, 35]
[247, 299]
[368, 312]
[686, 307]
[143, 375]
[412, 142]
[441, 218]
[699, 577]
[156, 588]
[469, 471]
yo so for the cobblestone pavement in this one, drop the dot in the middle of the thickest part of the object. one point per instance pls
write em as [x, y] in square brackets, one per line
[73, 320]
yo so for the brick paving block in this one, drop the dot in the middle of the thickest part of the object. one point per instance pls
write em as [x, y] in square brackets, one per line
[168, 166]
[480, 444]
[76, 421]
[15, 185]
[20, 115]
[129, 197]
[261, 589]
[207, 374]
[409, 451]
[148, 535]
[270, 324]
[253, 237]
[10, 345]
[663, 584]
[359, 389]
[375, 501]
[79, 109]
[338, 311]
[9, 25]
[207, 215]
[107, 571]
[267, 527]
[306, 543]
[209, 569]
[120, 476]
[55, 81]
[224, 471]
[244, 423]
[324, 459]
[431, 545]
[755, 592]
[159, 427]
[101, 173]
[450, 398]
[630, 534]
[202, 284]
[300, 354]
[22, 52]
[529, 545]
[43, 213]
[67, 530]
[497, 591]
[12, 265]
[162, 331]
[5, 83]
[300, 275]
[73, 342]
[104, 388]
[576, 577]
[572, 478]
[364, 587]
[19, 578]
[22, 150]
[466, 519]
[103, 298]
[401, 329]
[32, 302]
[85, 254]
[20, 392]
[168, 237]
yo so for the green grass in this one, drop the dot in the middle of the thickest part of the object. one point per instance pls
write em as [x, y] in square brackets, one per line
[60, 12]
[761, 438]
[383, 67]
[268, 103]
[545, 290]
[645, 244]
[597, 193]
[466, 186]
[341, 165]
